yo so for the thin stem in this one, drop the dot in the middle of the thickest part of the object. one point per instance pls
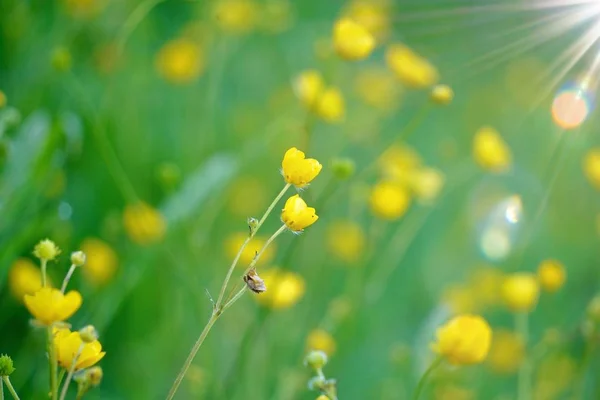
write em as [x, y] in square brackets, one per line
[44, 280]
[68, 278]
[192, 355]
[524, 383]
[53, 364]
[1, 389]
[267, 243]
[235, 298]
[133, 21]
[252, 233]
[63, 393]
[10, 387]
[421, 385]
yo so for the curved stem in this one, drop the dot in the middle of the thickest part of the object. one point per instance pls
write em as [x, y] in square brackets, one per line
[10, 387]
[63, 393]
[421, 385]
[68, 278]
[44, 278]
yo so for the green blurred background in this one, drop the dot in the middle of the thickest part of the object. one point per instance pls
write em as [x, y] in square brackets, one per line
[92, 125]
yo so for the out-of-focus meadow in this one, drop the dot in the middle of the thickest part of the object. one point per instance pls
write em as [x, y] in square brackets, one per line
[146, 133]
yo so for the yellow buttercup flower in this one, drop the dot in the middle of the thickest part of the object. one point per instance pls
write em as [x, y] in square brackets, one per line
[101, 261]
[378, 88]
[426, 184]
[297, 215]
[49, 305]
[507, 352]
[373, 15]
[442, 95]
[309, 86]
[330, 105]
[144, 224]
[490, 151]
[319, 339]
[520, 291]
[464, 340]
[298, 170]
[351, 40]
[67, 346]
[24, 278]
[346, 241]
[235, 241]
[284, 289]
[389, 200]
[180, 61]
[412, 69]
[236, 16]
[551, 275]
[591, 167]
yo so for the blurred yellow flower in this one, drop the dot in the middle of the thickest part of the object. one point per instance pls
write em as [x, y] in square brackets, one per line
[180, 61]
[299, 170]
[297, 215]
[49, 305]
[346, 240]
[464, 340]
[554, 375]
[330, 106]
[442, 95]
[486, 284]
[412, 69]
[378, 88]
[490, 151]
[374, 15]
[101, 261]
[591, 167]
[351, 40]
[24, 278]
[319, 339]
[507, 352]
[520, 291]
[236, 16]
[426, 184]
[399, 163]
[276, 16]
[235, 241]
[284, 289]
[389, 200]
[2, 99]
[552, 275]
[309, 86]
[67, 345]
[144, 224]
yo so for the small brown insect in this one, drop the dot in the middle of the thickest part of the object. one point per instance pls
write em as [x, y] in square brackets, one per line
[254, 282]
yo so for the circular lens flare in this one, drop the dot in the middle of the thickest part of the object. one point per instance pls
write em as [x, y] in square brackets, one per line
[572, 106]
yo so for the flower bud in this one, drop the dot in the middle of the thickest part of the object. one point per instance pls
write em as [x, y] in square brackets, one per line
[78, 258]
[88, 334]
[442, 95]
[316, 359]
[6, 365]
[95, 375]
[252, 224]
[343, 168]
[46, 250]
[317, 383]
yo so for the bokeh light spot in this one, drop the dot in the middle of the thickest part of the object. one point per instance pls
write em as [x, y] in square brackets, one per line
[571, 107]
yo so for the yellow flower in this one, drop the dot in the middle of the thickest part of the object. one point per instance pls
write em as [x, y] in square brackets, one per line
[442, 95]
[373, 15]
[319, 339]
[236, 16]
[591, 167]
[520, 291]
[46, 250]
[412, 69]
[507, 352]
[389, 200]
[309, 86]
[490, 151]
[144, 224]
[101, 261]
[297, 169]
[235, 241]
[378, 88]
[552, 275]
[297, 215]
[49, 305]
[284, 289]
[180, 61]
[67, 345]
[346, 241]
[330, 105]
[24, 278]
[464, 340]
[427, 183]
[351, 40]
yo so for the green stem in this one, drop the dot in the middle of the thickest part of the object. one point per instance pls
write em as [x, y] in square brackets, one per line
[524, 377]
[10, 387]
[1, 390]
[44, 279]
[68, 278]
[63, 393]
[134, 19]
[53, 365]
[421, 385]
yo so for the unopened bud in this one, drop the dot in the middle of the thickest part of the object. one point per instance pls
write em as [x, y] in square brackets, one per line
[95, 375]
[6, 365]
[88, 334]
[316, 383]
[46, 250]
[78, 258]
[343, 168]
[316, 359]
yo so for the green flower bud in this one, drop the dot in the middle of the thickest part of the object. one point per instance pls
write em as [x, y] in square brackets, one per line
[316, 359]
[46, 250]
[95, 375]
[6, 365]
[78, 258]
[88, 334]
[343, 168]
[317, 383]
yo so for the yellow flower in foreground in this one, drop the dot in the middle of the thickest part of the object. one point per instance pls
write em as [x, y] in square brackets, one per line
[299, 170]
[49, 305]
[297, 215]
[180, 61]
[520, 291]
[330, 105]
[551, 275]
[236, 16]
[101, 261]
[346, 241]
[144, 224]
[412, 69]
[284, 289]
[427, 183]
[67, 345]
[24, 278]
[235, 241]
[389, 200]
[309, 86]
[351, 40]
[507, 352]
[442, 95]
[319, 339]
[591, 167]
[464, 340]
[490, 151]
